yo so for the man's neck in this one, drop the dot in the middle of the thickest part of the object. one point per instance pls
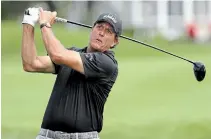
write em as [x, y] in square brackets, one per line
[90, 49]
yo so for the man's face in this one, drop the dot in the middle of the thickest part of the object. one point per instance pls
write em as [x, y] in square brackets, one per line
[102, 37]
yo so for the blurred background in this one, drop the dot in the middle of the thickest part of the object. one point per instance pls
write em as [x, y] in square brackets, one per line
[171, 19]
[155, 96]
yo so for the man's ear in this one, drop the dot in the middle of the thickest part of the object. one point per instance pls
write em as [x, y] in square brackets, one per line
[116, 42]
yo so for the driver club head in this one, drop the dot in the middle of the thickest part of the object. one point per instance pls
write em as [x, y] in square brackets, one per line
[199, 71]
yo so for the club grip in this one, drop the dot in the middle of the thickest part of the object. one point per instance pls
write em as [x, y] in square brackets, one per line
[58, 19]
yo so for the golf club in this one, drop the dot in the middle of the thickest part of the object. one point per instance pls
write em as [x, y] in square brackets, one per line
[198, 67]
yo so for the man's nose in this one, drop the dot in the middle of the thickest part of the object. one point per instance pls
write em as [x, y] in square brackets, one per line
[102, 32]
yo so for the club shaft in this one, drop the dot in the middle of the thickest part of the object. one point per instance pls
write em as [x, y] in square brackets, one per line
[125, 37]
[156, 48]
[83, 25]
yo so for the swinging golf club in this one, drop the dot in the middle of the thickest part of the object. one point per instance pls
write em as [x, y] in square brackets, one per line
[198, 67]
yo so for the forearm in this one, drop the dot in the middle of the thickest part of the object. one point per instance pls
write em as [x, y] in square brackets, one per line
[58, 53]
[28, 50]
[53, 46]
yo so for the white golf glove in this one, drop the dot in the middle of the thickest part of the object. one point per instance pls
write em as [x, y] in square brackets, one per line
[31, 16]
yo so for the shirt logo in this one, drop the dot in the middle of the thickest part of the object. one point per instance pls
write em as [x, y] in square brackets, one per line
[110, 17]
[89, 56]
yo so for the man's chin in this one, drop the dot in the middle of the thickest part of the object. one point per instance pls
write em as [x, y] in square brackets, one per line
[96, 47]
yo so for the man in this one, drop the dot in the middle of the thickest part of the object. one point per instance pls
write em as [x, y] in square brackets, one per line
[84, 76]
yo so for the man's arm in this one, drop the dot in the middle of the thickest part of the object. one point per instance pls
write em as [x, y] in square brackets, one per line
[58, 53]
[31, 62]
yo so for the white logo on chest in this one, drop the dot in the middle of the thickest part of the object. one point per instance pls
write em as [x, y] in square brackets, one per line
[89, 56]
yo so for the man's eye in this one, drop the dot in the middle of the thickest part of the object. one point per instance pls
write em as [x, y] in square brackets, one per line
[109, 31]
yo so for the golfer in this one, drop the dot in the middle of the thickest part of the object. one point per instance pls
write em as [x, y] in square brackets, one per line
[84, 76]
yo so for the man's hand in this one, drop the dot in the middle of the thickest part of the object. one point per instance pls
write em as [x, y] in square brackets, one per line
[47, 17]
[31, 16]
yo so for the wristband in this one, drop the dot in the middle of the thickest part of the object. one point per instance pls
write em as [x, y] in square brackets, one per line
[45, 24]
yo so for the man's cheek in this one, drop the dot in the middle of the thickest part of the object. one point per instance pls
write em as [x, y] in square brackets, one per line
[108, 43]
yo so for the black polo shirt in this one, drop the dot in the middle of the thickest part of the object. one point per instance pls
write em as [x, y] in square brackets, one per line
[77, 100]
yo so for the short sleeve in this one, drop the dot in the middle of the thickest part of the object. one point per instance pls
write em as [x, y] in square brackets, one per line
[57, 67]
[97, 65]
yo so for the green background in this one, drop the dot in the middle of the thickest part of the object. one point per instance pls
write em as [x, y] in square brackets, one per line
[155, 96]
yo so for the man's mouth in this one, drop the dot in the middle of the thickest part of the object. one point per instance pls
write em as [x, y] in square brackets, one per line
[99, 40]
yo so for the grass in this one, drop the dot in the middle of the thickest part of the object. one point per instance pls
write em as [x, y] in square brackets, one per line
[156, 96]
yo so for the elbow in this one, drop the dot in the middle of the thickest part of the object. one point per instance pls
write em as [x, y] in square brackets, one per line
[30, 67]
[27, 68]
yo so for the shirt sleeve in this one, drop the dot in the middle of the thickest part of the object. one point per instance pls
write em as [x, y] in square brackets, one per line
[57, 68]
[97, 65]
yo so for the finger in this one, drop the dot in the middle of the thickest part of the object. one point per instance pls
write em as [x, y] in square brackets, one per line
[40, 12]
[52, 22]
[47, 12]
[40, 9]
[54, 14]
[53, 17]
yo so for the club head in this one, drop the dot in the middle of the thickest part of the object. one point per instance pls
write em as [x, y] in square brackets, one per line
[199, 71]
